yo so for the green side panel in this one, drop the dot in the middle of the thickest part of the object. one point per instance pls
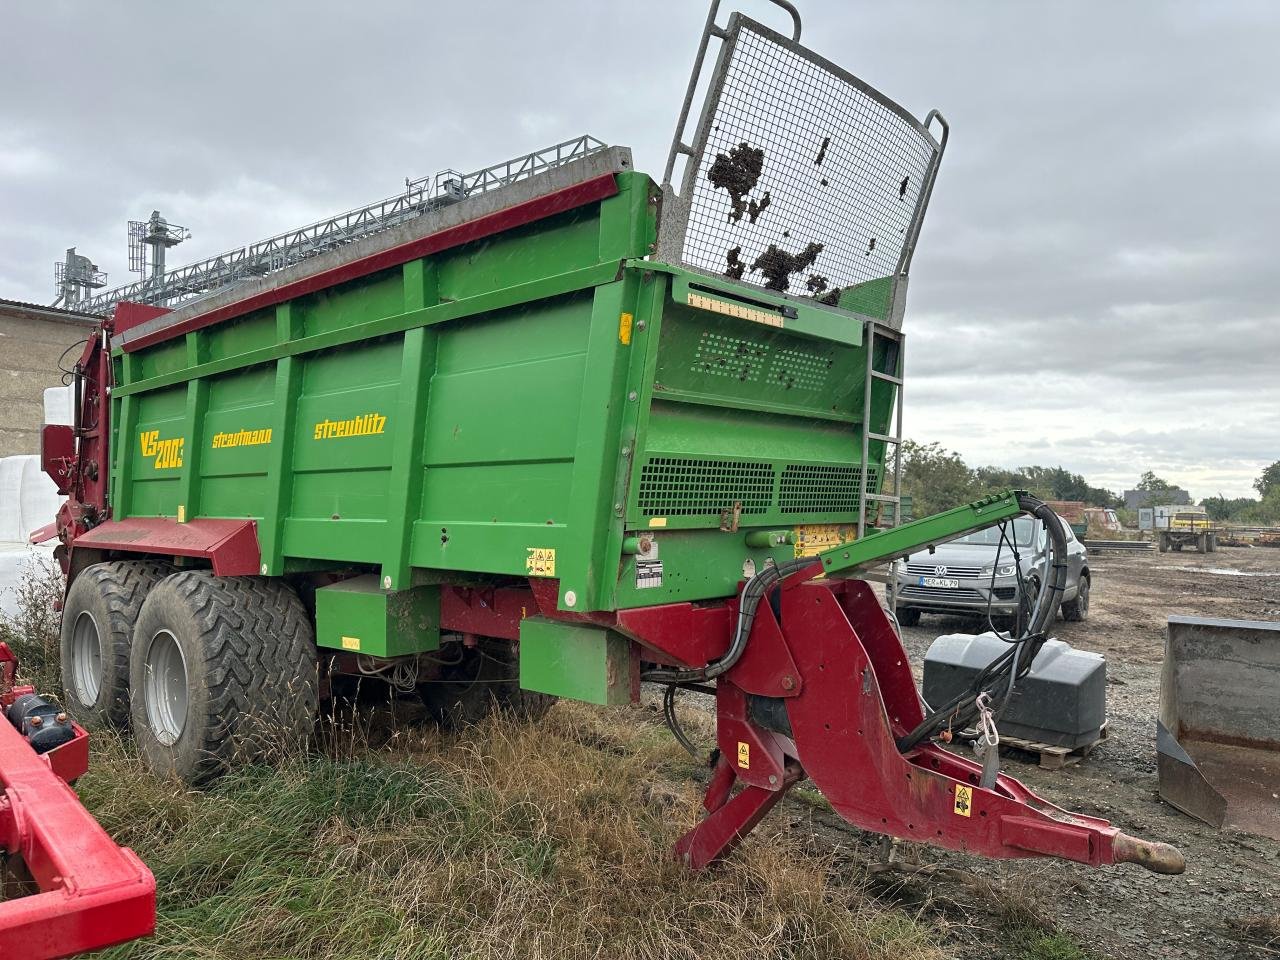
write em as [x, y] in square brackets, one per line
[156, 447]
[236, 437]
[573, 661]
[873, 298]
[693, 565]
[160, 359]
[358, 617]
[250, 332]
[556, 245]
[366, 298]
[501, 435]
[346, 422]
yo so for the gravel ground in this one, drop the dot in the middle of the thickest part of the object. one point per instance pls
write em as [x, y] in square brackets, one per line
[1125, 912]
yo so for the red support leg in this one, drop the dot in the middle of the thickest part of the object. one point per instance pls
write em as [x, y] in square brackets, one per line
[729, 822]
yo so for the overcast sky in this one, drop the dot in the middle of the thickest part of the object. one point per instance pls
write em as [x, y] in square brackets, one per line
[1096, 285]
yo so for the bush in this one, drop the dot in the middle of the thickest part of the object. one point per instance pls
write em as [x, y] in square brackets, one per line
[33, 632]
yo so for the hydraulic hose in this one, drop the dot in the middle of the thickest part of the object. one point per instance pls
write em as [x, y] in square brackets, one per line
[755, 590]
[998, 678]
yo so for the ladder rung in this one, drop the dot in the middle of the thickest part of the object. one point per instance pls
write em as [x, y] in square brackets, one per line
[884, 497]
[888, 333]
[887, 377]
[883, 437]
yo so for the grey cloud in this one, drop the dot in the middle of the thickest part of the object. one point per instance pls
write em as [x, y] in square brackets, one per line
[1095, 282]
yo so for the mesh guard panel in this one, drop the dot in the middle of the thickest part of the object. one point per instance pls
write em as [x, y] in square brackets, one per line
[802, 179]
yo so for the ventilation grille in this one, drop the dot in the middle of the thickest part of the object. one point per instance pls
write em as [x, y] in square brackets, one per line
[821, 489]
[798, 368]
[678, 487]
[751, 362]
[734, 357]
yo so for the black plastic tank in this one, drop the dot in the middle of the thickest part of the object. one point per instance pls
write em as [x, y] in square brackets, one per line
[1062, 701]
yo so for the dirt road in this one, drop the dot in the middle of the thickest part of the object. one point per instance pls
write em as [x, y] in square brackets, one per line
[1232, 879]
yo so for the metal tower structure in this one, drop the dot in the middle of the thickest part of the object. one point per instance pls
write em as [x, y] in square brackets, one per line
[283, 250]
[74, 279]
[157, 234]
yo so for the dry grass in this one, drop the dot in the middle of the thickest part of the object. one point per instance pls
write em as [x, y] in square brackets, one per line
[1262, 930]
[510, 841]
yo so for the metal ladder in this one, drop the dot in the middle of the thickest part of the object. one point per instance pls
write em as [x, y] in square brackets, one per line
[876, 333]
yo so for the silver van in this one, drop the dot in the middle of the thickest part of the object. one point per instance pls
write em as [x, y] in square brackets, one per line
[976, 573]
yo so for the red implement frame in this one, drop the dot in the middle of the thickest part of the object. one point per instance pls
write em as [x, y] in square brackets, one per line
[92, 893]
[833, 667]
[833, 659]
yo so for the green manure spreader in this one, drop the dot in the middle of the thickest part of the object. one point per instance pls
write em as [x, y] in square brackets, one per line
[563, 431]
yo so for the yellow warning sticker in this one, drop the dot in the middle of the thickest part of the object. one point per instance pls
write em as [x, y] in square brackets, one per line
[657, 521]
[964, 800]
[541, 562]
[744, 755]
[182, 513]
[624, 329]
[813, 538]
[350, 643]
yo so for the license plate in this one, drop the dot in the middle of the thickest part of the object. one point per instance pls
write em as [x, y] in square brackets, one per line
[944, 582]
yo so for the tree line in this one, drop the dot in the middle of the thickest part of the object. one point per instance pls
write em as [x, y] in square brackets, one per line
[938, 479]
[1263, 511]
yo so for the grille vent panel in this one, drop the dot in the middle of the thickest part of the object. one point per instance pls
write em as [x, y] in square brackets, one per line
[821, 489]
[691, 487]
[681, 487]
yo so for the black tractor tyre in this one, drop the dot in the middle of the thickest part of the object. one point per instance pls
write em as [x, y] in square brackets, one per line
[223, 672]
[484, 679]
[98, 616]
[1077, 609]
[1164, 545]
[908, 616]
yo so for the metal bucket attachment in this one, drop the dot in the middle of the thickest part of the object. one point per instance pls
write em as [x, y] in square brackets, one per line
[1217, 738]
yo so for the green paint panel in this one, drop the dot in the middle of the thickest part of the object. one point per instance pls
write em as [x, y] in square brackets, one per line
[357, 616]
[573, 661]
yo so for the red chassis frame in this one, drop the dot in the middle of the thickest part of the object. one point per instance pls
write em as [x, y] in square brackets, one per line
[92, 893]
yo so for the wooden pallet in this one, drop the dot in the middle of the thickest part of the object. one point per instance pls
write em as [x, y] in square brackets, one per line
[1053, 757]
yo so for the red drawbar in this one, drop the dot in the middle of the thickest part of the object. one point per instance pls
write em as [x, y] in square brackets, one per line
[231, 545]
[537, 208]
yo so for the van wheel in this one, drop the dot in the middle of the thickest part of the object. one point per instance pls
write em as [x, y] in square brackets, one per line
[98, 616]
[1078, 609]
[908, 616]
[222, 671]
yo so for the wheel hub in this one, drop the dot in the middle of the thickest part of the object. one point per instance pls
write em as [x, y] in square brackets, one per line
[86, 658]
[166, 688]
